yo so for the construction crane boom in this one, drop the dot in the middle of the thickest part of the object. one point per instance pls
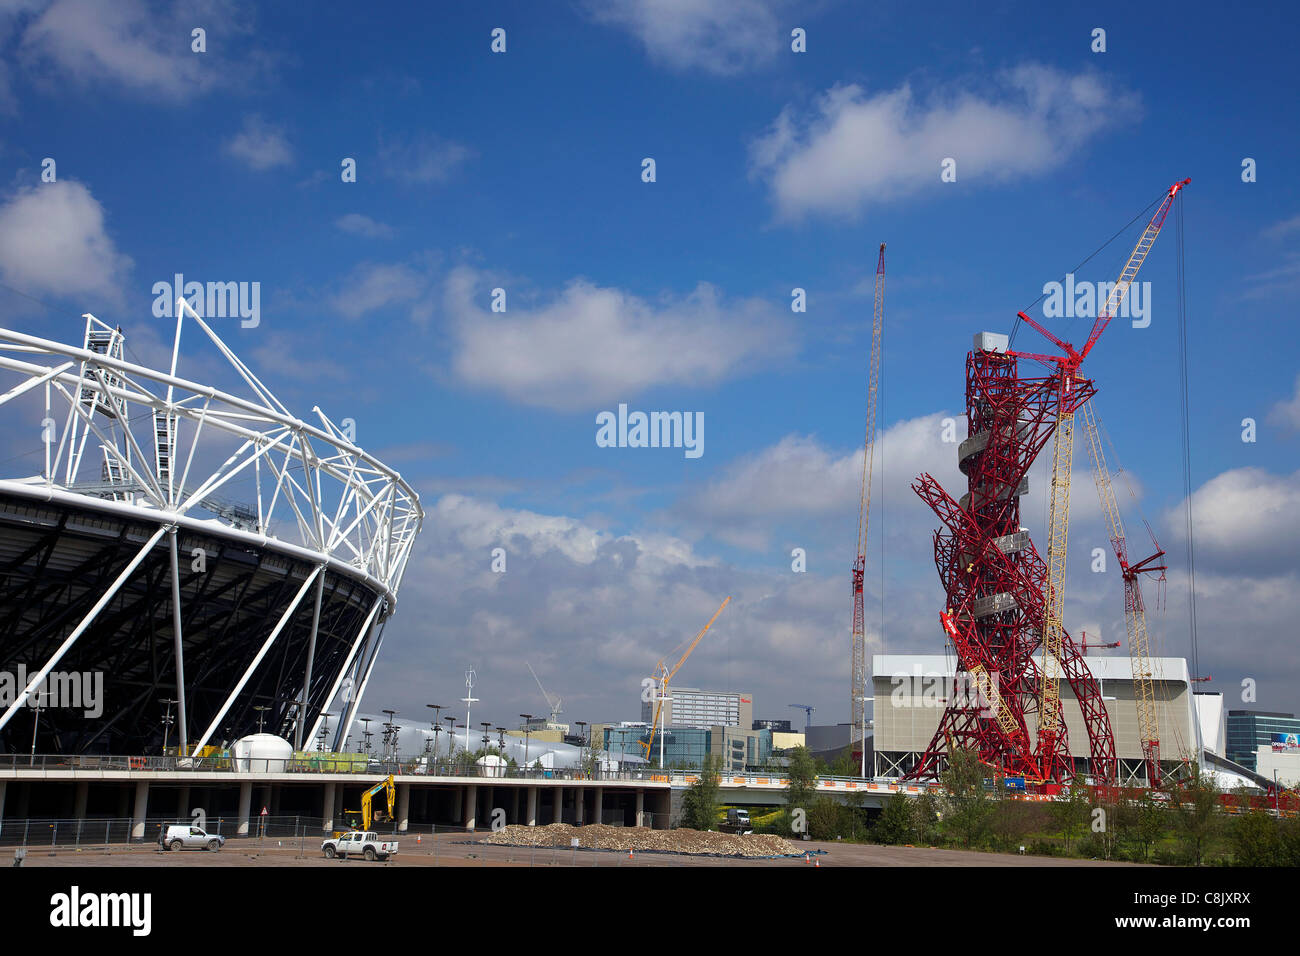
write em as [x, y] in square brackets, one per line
[858, 684]
[1135, 615]
[669, 674]
[1069, 386]
[552, 704]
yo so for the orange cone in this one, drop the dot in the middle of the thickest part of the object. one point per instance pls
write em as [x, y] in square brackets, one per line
[417, 838]
[629, 853]
[817, 862]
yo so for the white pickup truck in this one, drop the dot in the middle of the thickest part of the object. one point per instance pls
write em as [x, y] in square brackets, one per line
[359, 843]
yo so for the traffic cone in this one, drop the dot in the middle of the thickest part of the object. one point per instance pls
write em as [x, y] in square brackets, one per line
[807, 857]
[629, 853]
[817, 862]
[417, 838]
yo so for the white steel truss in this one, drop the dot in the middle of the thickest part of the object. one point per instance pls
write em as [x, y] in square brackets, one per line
[171, 450]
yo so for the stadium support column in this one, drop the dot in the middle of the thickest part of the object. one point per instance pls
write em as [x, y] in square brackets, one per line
[3, 786]
[559, 804]
[327, 808]
[80, 799]
[311, 658]
[403, 807]
[141, 809]
[80, 629]
[579, 804]
[598, 813]
[471, 806]
[347, 664]
[179, 639]
[640, 807]
[245, 804]
[532, 805]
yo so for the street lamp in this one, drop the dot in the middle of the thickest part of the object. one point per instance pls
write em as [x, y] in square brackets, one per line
[451, 735]
[528, 729]
[261, 710]
[434, 725]
[487, 737]
[167, 721]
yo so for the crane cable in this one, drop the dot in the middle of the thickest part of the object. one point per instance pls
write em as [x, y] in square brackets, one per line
[1016, 326]
[1187, 458]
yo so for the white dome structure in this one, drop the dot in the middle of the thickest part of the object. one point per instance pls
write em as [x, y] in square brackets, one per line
[261, 753]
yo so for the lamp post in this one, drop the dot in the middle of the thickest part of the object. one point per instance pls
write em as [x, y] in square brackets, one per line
[468, 700]
[528, 729]
[433, 724]
[261, 715]
[582, 736]
[167, 721]
[487, 737]
[451, 736]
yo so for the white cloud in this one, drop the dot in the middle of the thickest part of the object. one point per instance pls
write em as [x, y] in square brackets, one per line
[799, 481]
[718, 36]
[144, 48]
[260, 144]
[53, 241]
[1280, 230]
[428, 159]
[373, 286]
[359, 225]
[594, 345]
[1246, 520]
[1287, 411]
[857, 148]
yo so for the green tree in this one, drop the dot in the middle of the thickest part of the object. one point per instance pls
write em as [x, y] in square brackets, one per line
[844, 765]
[1150, 824]
[896, 821]
[1256, 839]
[700, 802]
[966, 805]
[802, 776]
[1070, 813]
[925, 818]
[1198, 814]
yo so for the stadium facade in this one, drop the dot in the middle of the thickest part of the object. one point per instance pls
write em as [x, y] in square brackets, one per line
[219, 564]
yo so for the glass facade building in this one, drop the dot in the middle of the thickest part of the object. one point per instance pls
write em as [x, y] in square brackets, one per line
[1248, 730]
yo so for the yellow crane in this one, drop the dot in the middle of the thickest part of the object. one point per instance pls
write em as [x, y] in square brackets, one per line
[1135, 614]
[1067, 381]
[667, 675]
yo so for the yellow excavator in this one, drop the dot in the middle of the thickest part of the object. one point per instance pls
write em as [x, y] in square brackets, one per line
[366, 813]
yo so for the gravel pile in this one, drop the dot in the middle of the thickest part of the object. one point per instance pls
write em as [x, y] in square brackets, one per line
[601, 837]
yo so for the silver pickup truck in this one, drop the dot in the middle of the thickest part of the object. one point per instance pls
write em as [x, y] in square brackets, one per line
[361, 843]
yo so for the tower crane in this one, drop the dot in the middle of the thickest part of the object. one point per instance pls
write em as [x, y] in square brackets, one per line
[1072, 391]
[553, 703]
[1135, 614]
[807, 712]
[664, 675]
[858, 688]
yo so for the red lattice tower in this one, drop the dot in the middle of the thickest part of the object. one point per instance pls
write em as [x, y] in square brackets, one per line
[1004, 603]
[995, 582]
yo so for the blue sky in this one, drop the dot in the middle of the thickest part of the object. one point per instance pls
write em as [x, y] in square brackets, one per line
[774, 170]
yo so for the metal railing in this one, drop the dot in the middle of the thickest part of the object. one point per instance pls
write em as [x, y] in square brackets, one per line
[421, 766]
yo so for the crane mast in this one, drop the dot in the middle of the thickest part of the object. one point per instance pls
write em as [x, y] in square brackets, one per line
[858, 688]
[1068, 390]
[664, 675]
[1135, 615]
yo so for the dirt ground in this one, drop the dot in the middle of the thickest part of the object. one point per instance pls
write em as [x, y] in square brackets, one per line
[462, 849]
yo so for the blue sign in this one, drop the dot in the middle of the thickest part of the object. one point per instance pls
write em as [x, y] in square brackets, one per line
[1015, 783]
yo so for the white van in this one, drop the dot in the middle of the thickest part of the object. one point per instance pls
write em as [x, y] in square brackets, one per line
[181, 836]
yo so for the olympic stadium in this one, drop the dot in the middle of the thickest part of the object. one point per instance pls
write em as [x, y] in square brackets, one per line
[225, 565]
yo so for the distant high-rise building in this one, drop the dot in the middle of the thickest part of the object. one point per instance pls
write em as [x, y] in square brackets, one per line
[1249, 730]
[692, 707]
